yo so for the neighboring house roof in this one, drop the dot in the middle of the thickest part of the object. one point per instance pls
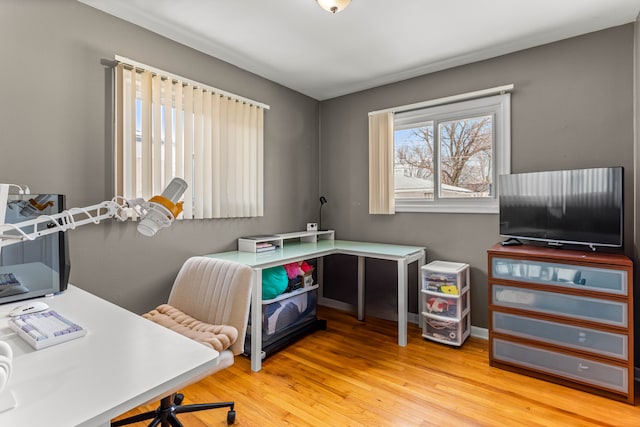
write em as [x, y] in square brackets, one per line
[411, 183]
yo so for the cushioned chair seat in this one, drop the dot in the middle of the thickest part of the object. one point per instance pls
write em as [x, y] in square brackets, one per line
[218, 337]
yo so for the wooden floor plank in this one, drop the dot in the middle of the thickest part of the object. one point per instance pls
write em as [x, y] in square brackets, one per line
[355, 374]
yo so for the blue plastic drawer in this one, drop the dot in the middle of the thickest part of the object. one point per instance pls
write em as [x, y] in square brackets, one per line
[576, 368]
[600, 342]
[593, 309]
[564, 275]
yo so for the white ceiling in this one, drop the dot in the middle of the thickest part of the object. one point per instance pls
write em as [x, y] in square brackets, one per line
[372, 42]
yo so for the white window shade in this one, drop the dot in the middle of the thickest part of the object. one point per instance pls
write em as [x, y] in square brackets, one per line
[169, 126]
[381, 186]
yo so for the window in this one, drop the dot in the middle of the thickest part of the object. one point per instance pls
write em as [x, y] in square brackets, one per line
[447, 157]
[169, 126]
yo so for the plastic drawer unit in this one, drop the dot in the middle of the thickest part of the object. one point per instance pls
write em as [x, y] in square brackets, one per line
[445, 302]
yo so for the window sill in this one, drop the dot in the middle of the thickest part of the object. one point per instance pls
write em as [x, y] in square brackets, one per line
[447, 207]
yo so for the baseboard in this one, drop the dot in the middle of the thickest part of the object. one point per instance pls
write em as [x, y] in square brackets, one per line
[338, 305]
[412, 318]
[380, 314]
[478, 332]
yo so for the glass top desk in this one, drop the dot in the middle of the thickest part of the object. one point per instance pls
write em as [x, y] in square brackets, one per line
[123, 362]
[293, 252]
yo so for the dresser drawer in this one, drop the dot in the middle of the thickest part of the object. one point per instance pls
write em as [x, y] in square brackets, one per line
[558, 364]
[600, 342]
[593, 309]
[564, 275]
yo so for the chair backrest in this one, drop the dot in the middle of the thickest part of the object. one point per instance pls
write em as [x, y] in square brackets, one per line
[216, 292]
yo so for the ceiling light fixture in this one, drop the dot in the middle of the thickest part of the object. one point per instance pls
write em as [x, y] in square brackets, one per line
[333, 6]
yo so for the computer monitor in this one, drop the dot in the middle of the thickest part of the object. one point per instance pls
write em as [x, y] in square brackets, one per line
[39, 267]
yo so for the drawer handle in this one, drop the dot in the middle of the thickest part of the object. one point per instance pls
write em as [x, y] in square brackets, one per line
[582, 337]
[582, 367]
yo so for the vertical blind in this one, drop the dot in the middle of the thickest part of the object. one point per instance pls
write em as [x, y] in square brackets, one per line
[168, 126]
[381, 182]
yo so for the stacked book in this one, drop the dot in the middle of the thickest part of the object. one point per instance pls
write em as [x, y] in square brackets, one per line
[265, 247]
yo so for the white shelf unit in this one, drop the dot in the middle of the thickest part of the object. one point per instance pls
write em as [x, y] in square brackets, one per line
[253, 243]
[308, 236]
[445, 302]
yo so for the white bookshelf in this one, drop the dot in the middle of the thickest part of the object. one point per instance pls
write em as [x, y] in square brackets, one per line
[254, 243]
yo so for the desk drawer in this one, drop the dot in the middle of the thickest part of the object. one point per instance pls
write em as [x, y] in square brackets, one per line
[578, 307]
[600, 342]
[561, 365]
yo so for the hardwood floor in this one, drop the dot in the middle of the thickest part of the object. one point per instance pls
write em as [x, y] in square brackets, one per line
[354, 374]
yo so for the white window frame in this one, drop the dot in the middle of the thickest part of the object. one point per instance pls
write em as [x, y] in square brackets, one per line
[498, 106]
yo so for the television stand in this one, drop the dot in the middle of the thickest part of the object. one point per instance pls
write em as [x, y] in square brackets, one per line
[564, 316]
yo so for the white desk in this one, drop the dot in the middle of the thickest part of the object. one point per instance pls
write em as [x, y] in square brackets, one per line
[293, 252]
[123, 362]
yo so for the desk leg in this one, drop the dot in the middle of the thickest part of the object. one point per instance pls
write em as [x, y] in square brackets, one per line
[402, 302]
[361, 270]
[421, 262]
[320, 278]
[256, 320]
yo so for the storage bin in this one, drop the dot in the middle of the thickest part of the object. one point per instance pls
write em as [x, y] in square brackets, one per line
[454, 306]
[285, 313]
[445, 277]
[446, 330]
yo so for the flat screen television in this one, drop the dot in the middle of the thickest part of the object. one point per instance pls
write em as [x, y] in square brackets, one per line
[39, 267]
[573, 207]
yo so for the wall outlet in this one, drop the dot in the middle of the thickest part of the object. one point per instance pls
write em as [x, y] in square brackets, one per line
[312, 226]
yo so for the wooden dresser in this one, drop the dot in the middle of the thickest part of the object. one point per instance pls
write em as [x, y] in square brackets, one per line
[564, 316]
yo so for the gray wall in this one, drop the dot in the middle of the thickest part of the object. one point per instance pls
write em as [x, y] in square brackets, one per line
[55, 122]
[572, 107]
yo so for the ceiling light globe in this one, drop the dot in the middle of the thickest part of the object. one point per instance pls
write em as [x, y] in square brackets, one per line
[333, 6]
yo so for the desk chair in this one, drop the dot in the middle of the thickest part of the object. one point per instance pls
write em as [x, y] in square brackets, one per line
[209, 302]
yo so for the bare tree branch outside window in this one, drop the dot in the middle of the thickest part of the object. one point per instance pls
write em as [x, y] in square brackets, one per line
[465, 156]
